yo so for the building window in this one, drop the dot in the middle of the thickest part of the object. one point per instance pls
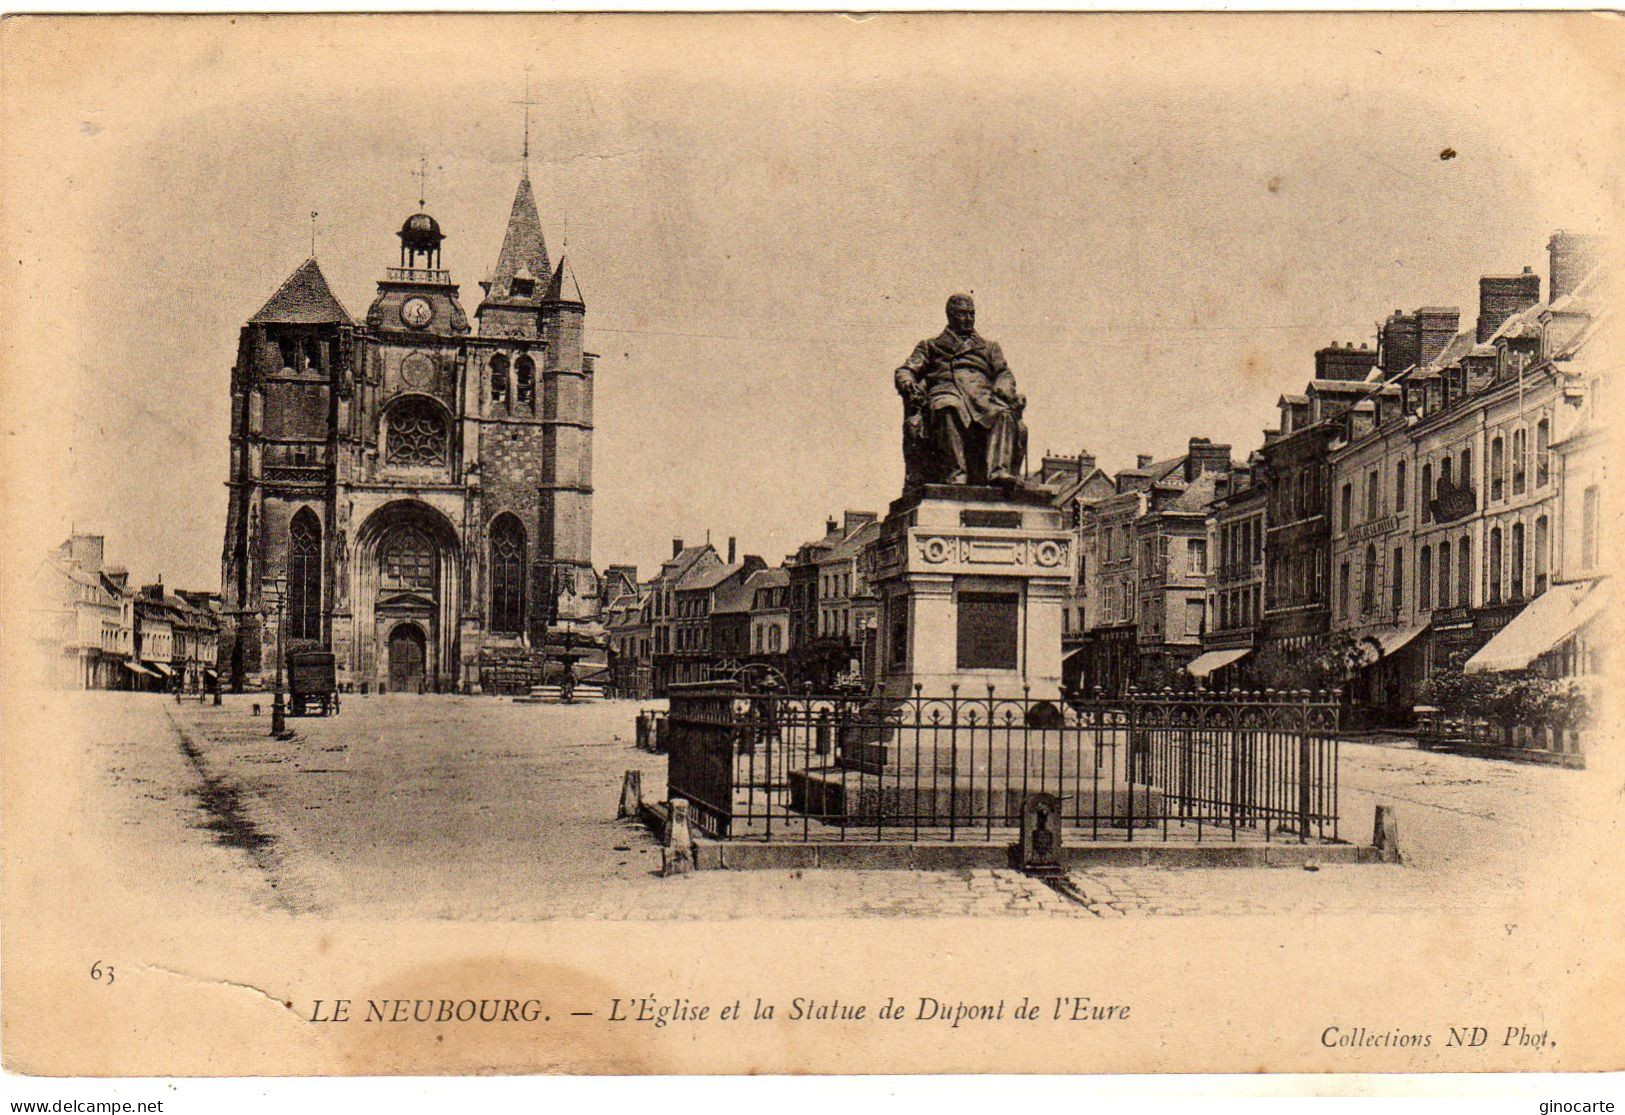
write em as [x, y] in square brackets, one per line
[1497, 468]
[507, 576]
[1444, 574]
[1588, 527]
[1373, 495]
[1427, 492]
[1444, 478]
[1495, 565]
[1517, 561]
[1399, 487]
[1424, 579]
[407, 562]
[1543, 453]
[305, 576]
[417, 435]
[1397, 588]
[1543, 543]
[987, 629]
[1345, 504]
[499, 378]
[1465, 580]
[524, 370]
[1197, 551]
[1520, 461]
[1343, 589]
[1194, 613]
[1467, 467]
[1368, 587]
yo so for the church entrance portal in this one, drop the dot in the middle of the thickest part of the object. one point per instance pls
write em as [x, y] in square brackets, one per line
[406, 655]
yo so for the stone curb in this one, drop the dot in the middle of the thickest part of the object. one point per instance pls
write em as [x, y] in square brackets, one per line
[741, 855]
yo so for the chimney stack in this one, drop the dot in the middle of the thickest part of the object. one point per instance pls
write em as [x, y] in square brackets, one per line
[1501, 296]
[830, 525]
[1573, 255]
[676, 546]
[1142, 460]
[732, 541]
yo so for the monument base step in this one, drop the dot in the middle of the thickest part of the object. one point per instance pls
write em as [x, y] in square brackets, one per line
[554, 695]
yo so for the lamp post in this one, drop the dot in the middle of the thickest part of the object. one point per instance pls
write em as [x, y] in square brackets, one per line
[278, 587]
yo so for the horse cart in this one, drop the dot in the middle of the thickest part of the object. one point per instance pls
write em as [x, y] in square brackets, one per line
[312, 688]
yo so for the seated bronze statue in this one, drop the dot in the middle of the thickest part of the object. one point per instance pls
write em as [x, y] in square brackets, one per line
[961, 410]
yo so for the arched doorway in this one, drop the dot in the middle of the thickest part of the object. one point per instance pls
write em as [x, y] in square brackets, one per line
[408, 578]
[407, 652]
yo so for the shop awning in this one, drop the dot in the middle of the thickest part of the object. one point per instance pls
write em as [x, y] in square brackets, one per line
[138, 668]
[209, 672]
[161, 667]
[1204, 664]
[1548, 619]
[1073, 653]
[1398, 639]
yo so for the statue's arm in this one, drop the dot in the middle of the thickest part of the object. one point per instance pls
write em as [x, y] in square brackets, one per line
[909, 374]
[1004, 381]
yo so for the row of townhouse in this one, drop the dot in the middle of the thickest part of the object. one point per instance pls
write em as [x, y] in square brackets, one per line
[809, 621]
[91, 629]
[1437, 499]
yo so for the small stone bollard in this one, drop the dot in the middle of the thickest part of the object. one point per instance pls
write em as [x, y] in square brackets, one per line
[1041, 834]
[631, 794]
[256, 708]
[678, 854]
[1385, 835]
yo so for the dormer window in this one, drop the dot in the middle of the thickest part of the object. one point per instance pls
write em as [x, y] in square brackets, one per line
[522, 288]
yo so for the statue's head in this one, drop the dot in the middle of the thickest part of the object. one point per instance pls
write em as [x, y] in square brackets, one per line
[962, 314]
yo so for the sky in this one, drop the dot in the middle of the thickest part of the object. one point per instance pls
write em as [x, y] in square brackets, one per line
[1161, 219]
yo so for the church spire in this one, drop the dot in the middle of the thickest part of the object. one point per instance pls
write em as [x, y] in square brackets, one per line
[522, 267]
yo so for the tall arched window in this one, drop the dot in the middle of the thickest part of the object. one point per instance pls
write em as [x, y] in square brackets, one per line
[1424, 580]
[1398, 585]
[1517, 561]
[1368, 587]
[1520, 460]
[1543, 452]
[1427, 491]
[525, 374]
[1543, 553]
[417, 435]
[1497, 468]
[1464, 582]
[499, 378]
[304, 576]
[1495, 565]
[507, 575]
[1444, 574]
[1399, 487]
[406, 562]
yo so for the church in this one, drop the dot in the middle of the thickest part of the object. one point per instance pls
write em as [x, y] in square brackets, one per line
[408, 491]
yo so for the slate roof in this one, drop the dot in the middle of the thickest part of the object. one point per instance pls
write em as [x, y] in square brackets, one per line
[734, 598]
[304, 299]
[524, 252]
[702, 579]
[563, 287]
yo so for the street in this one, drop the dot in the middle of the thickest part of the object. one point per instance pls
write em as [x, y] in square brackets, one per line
[474, 808]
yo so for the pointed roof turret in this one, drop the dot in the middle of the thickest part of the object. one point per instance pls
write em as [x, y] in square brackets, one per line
[563, 287]
[304, 299]
[524, 252]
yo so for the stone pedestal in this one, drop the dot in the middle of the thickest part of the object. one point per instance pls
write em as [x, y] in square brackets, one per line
[971, 582]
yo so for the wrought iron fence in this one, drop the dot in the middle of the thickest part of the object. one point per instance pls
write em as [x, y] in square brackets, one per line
[770, 765]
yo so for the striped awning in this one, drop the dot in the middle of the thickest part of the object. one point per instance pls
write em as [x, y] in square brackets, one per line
[161, 667]
[138, 668]
[1204, 664]
[1545, 622]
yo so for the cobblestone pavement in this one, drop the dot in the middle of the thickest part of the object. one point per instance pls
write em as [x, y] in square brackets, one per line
[474, 808]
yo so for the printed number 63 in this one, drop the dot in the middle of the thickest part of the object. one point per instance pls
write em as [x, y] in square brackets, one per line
[100, 974]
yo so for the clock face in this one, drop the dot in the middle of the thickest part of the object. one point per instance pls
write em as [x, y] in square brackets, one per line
[417, 312]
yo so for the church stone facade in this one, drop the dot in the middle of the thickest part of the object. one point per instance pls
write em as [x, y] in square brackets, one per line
[410, 492]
